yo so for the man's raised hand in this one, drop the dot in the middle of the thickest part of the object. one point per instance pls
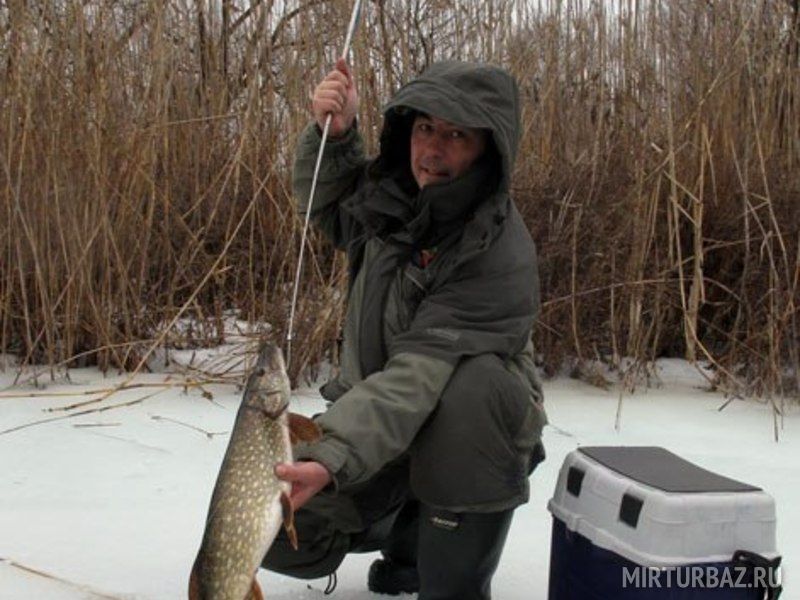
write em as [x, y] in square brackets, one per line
[336, 95]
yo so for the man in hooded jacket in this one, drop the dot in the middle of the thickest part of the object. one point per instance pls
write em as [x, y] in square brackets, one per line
[436, 413]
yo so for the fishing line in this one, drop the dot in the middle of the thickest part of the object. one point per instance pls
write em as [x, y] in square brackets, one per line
[354, 18]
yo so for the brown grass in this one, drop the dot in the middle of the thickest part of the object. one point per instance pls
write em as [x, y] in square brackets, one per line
[145, 152]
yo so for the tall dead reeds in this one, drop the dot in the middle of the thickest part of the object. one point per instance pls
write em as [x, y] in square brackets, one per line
[146, 148]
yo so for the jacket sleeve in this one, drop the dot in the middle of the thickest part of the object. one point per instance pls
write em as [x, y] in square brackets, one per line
[343, 163]
[481, 308]
[376, 420]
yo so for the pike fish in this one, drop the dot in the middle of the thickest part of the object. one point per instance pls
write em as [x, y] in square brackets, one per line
[249, 503]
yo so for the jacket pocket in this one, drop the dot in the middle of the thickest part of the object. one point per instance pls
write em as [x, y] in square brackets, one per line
[411, 287]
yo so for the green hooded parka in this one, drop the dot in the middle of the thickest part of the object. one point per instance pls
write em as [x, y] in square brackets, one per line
[411, 323]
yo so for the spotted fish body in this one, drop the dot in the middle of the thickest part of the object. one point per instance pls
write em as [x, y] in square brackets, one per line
[249, 503]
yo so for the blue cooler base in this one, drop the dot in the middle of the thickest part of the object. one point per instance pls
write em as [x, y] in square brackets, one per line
[579, 570]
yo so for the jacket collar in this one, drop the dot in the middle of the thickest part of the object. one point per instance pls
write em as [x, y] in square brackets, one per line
[390, 206]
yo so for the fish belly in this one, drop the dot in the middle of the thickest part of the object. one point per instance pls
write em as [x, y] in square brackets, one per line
[246, 512]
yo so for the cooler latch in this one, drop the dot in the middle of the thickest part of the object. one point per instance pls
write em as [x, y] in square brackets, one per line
[629, 510]
[767, 574]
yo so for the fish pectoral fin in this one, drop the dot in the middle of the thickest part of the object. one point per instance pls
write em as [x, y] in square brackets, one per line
[303, 429]
[288, 519]
[255, 592]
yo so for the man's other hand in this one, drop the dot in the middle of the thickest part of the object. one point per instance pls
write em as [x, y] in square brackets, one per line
[336, 95]
[307, 478]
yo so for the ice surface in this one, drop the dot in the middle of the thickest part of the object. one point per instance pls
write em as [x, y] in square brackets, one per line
[116, 509]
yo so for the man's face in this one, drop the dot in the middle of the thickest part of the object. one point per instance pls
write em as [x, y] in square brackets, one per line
[441, 151]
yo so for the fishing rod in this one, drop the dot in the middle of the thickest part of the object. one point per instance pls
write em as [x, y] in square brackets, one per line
[354, 19]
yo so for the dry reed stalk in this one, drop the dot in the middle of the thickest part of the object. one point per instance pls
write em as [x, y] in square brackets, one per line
[84, 589]
[81, 413]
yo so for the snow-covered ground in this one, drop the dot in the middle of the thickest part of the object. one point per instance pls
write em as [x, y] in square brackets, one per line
[112, 504]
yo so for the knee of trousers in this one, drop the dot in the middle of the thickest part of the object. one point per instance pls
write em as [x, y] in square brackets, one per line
[325, 526]
[312, 559]
[331, 525]
[475, 451]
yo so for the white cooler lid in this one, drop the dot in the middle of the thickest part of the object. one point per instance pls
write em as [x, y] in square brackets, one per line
[657, 509]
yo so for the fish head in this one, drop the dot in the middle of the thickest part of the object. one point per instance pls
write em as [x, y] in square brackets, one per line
[269, 386]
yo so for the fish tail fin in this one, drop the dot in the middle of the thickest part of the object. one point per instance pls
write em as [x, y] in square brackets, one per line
[194, 584]
[288, 519]
[255, 592]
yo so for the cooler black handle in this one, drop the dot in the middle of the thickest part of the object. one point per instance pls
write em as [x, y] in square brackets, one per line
[751, 559]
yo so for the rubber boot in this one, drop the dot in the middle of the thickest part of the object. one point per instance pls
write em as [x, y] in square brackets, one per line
[396, 572]
[458, 553]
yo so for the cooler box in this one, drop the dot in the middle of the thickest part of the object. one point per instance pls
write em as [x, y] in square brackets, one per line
[642, 523]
